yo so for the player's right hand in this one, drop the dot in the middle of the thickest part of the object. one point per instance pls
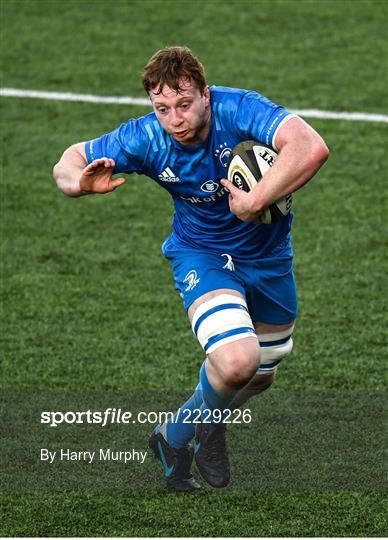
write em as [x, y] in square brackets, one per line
[240, 203]
[97, 177]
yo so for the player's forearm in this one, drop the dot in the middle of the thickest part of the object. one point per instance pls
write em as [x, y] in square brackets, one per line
[67, 172]
[297, 163]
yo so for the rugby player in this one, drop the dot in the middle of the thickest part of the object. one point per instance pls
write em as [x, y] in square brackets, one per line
[234, 274]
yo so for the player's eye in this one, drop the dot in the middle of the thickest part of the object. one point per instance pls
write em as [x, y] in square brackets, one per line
[161, 110]
[185, 105]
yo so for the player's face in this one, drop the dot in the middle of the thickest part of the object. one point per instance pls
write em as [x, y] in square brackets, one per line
[185, 115]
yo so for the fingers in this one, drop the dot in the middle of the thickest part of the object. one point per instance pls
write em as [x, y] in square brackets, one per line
[117, 182]
[107, 162]
[100, 163]
[233, 190]
[240, 203]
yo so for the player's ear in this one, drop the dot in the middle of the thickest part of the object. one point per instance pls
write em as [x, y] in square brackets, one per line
[206, 94]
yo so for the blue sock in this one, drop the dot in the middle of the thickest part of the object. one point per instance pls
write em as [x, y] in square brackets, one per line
[212, 400]
[180, 430]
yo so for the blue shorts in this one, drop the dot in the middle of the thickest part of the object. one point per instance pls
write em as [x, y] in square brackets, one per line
[267, 284]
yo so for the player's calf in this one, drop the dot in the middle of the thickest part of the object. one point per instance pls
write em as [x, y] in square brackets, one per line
[258, 384]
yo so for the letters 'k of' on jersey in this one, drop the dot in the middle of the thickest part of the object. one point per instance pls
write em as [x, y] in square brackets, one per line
[191, 174]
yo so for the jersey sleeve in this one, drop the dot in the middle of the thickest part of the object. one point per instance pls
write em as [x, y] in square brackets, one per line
[259, 118]
[126, 145]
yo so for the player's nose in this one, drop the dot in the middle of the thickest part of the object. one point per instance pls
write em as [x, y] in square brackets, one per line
[175, 118]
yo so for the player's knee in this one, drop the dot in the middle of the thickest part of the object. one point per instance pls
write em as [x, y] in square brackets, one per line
[237, 363]
[225, 330]
[274, 348]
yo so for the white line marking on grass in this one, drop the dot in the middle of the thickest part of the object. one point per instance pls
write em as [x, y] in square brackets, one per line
[69, 96]
[352, 116]
[127, 100]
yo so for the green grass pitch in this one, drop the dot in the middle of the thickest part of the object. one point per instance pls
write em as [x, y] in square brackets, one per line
[87, 298]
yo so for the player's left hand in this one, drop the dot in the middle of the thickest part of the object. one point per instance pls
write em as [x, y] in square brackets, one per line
[240, 203]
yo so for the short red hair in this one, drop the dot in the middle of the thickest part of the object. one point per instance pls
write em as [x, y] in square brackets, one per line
[170, 66]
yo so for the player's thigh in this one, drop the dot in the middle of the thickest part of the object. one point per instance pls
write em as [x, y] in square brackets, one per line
[271, 291]
[262, 328]
[222, 323]
[208, 296]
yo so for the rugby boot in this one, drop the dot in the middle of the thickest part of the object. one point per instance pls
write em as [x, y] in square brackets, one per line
[211, 454]
[176, 463]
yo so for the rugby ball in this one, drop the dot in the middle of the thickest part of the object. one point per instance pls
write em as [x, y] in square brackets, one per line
[248, 163]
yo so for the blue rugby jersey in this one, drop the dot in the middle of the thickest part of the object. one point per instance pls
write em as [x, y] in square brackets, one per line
[191, 174]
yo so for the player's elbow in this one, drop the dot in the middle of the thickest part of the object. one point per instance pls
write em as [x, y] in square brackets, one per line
[56, 172]
[58, 175]
[68, 169]
[322, 152]
[319, 153]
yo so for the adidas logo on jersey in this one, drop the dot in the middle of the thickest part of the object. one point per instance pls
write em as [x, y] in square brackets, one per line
[168, 176]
